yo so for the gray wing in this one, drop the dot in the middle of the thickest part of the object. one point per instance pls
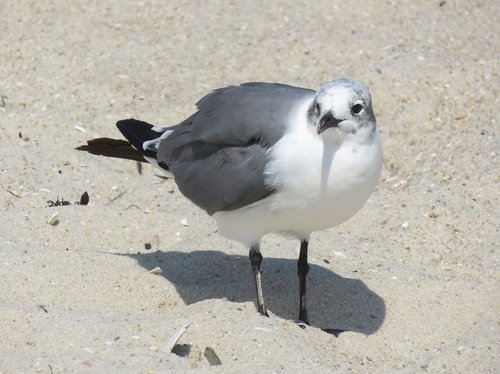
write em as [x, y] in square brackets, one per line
[218, 155]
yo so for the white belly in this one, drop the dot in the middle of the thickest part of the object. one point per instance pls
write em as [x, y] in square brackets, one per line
[318, 186]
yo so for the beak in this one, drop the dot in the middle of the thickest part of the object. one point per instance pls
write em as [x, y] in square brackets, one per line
[327, 121]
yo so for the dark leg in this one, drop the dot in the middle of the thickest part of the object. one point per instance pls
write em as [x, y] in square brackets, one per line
[255, 261]
[302, 270]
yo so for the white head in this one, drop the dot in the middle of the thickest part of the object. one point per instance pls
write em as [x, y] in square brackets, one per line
[342, 109]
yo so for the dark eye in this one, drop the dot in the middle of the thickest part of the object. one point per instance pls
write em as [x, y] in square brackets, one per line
[318, 108]
[356, 108]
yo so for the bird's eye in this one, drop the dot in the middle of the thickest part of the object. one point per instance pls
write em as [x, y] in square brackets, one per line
[356, 108]
[318, 108]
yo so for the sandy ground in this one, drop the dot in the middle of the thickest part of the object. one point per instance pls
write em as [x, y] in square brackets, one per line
[413, 277]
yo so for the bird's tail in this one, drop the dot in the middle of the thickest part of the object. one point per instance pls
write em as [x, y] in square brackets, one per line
[112, 148]
[142, 140]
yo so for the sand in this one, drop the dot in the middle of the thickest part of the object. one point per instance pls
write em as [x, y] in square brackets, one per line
[413, 277]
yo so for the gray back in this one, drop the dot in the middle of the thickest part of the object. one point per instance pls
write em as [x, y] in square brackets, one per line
[218, 155]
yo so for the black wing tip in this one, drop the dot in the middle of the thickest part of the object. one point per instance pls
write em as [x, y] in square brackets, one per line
[124, 123]
[136, 132]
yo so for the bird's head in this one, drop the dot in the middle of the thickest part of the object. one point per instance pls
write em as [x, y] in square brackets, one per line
[342, 109]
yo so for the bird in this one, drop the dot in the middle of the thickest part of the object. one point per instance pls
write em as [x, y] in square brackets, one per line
[266, 157]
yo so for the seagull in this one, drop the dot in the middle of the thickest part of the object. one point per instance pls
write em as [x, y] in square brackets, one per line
[267, 157]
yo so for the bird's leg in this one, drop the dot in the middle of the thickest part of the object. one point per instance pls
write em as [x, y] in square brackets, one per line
[255, 261]
[302, 270]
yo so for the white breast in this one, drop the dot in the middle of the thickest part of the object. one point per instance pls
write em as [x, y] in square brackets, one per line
[319, 184]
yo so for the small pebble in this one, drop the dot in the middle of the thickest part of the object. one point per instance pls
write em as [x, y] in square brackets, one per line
[54, 219]
[80, 127]
[446, 178]
[84, 199]
[156, 270]
[211, 356]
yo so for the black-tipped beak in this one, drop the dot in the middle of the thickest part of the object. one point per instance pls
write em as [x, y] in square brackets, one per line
[327, 121]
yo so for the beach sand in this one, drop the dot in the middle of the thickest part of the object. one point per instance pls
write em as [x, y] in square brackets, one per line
[413, 276]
